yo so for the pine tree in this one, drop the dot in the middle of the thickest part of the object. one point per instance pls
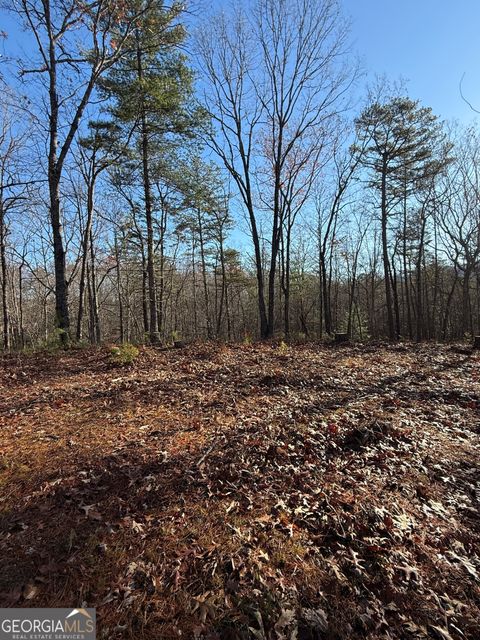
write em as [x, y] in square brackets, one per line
[150, 94]
[398, 142]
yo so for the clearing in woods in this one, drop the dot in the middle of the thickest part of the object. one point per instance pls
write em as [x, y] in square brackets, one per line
[246, 491]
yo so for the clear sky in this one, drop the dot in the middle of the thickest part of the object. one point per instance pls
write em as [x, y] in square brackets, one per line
[431, 43]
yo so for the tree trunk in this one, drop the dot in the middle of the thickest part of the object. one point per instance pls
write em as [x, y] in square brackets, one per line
[448, 305]
[119, 292]
[286, 288]
[91, 319]
[147, 190]
[21, 328]
[421, 246]
[3, 265]
[61, 285]
[326, 303]
[264, 329]
[405, 265]
[194, 291]
[396, 304]
[386, 261]
[97, 333]
[85, 241]
[62, 315]
[204, 275]
[351, 300]
[276, 230]
[146, 321]
[161, 293]
[467, 320]
[223, 293]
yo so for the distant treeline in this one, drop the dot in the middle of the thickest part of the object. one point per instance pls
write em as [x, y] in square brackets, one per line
[131, 174]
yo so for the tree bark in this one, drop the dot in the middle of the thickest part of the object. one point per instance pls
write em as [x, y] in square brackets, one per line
[147, 191]
[119, 292]
[97, 332]
[3, 265]
[85, 242]
[386, 260]
[204, 274]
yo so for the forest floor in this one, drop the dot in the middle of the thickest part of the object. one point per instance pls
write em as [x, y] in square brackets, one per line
[245, 492]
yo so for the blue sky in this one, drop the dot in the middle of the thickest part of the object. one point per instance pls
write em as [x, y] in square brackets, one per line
[431, 43]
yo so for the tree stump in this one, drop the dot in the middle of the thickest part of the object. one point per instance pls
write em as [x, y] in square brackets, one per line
[476, 342]
[341, 337]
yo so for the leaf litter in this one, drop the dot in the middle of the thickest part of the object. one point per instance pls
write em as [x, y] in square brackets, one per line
[241, 492]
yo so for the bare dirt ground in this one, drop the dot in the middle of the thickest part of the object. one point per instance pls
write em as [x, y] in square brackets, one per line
[245, 492]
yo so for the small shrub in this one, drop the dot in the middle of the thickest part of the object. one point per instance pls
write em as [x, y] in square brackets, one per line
[124, 354]
[247, 339]
[283, 348]
[359, 324]
[53, 343]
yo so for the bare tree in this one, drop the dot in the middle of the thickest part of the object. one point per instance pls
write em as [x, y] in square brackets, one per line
[14, 184]
[276, 79]
[76, 43]
[226, 48]
[459, 219]
[303, 47]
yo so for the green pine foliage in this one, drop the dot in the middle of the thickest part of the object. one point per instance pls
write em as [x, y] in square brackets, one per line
[124, 354]
[153, 80]
[402, 136]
